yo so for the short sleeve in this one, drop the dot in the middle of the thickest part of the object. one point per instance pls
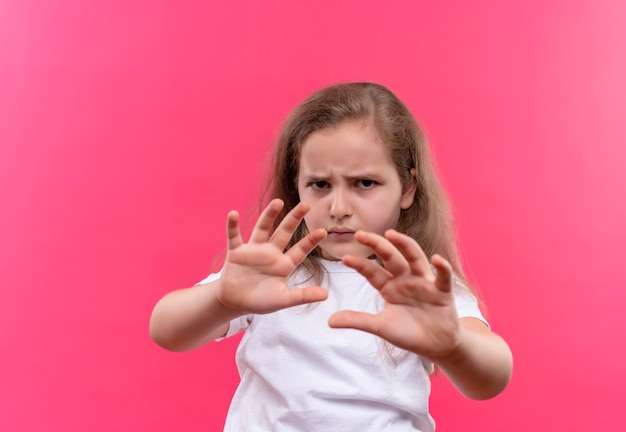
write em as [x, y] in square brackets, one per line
[466, 302]
[210, 278]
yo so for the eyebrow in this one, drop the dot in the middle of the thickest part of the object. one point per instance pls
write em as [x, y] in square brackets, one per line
[313, 178]
[358, 176]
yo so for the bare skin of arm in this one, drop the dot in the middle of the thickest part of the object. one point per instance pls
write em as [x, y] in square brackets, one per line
[419, 313]
[420, 316]
[481, 366]
[253, 281]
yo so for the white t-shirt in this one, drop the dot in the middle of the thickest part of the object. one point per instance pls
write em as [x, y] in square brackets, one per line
[298, 374]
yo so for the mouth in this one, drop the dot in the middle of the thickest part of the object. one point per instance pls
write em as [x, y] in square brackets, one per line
[341, 233]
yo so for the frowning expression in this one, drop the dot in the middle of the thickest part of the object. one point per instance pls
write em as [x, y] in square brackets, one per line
[347, 175]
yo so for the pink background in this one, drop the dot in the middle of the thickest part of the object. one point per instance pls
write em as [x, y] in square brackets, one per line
[129, 129]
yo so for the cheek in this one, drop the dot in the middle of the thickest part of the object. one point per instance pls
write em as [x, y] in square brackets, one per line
[388, 219]
[311, 219]
[317, 217]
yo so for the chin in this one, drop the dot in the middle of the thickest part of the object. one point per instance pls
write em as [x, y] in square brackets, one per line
[336, 254]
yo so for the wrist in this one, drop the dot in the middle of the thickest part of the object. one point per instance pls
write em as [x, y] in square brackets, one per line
[222, 306]
[451, 355]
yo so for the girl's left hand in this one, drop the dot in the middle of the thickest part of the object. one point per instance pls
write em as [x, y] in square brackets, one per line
[419, 313]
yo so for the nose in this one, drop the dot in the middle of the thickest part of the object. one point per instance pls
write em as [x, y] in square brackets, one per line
[340, 204]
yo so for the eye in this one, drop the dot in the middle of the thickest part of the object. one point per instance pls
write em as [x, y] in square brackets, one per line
[319, 185]
[366, 184]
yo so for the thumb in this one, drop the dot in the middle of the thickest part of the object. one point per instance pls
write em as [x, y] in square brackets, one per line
[355, 320]
[300, 296]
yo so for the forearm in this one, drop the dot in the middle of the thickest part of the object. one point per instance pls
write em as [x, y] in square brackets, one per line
[481, 367]
[189, 318]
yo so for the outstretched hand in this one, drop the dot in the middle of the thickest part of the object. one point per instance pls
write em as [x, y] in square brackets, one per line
[419, 314]
[254, 277]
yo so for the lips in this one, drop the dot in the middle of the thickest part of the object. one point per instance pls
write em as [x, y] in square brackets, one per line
[341, 232]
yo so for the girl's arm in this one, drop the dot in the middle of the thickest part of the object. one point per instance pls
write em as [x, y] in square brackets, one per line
[189, 318]
[253, 281]
[482, 364]
[420, 315]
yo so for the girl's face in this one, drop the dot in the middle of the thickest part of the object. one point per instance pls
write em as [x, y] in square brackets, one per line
[351, 182]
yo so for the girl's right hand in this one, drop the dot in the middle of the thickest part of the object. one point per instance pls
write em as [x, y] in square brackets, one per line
[254, 277]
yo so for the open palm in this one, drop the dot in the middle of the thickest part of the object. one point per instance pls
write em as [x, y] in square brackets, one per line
[419, 314]
[254, 277]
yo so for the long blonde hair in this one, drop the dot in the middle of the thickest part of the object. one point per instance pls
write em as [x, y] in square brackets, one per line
[428, 220]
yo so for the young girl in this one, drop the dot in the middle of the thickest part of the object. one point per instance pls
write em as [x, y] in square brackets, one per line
[344, 312]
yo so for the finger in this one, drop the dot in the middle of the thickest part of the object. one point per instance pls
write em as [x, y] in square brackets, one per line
[355, 320]
[443, 280]
[412, 252]
[265, 223]
[388, 253]
[289, 224]
[300, 250]
[376, 275]
[300, 296]
[233, 235]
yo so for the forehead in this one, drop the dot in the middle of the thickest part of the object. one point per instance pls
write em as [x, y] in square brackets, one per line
[350, 145]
